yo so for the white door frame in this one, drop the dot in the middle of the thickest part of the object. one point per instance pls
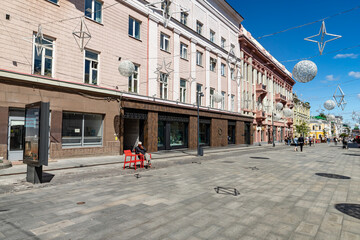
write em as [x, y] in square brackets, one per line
[14, 155]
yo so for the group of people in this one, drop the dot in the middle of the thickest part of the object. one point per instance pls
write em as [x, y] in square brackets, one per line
[300, 141]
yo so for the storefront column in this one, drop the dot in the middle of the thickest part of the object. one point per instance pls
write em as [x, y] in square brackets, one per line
[151, 132]
[192, 129]
[218, 133]
[4, 119]
[55, 134]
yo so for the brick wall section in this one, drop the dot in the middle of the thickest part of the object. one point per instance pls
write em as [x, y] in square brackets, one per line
[192, 139]
[4, 118]
[218, 132]
[151, 132]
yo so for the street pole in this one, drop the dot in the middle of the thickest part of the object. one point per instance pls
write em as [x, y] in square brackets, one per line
[198, 95]
[273, 132]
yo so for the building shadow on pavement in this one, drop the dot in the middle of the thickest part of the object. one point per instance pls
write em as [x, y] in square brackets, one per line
[351, 154]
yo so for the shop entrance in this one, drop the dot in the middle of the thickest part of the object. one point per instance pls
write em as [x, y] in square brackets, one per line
[15, 138]
[247, 133]
[231, 132]
[204, 131]
[172, 132]
[134, 122]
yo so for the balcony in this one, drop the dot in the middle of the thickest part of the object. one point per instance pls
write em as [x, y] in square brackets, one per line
[261, 90]
[260, 115]
[280, 98]
[290, 104]
[290, 121]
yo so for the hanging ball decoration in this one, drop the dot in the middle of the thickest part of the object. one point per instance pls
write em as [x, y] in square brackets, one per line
[279, 106]
[329, 105]
[330, 117]
[126, 68]
[304, 71]
[287, 112]
[356, 125]
[277, 116]
[217, 97]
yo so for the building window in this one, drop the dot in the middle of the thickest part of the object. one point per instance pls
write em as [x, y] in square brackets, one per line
[223, 100]
[182, 90]
[134, 80]
[212, 64]
[212, 100]
[222, 69]
[164, 85]
[134, 28]
[43, 62]
[198, 89]
[53, 1]
[83, 130]
[199, 27]
[199, 57]
[164, 42]
[212, 36]
[183, 18]
[93, 10]
[91, 67]
[223, 42]
[232, 102]
[232, 74]
[183, 50]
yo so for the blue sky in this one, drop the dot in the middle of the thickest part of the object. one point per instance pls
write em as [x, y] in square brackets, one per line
[265, 17]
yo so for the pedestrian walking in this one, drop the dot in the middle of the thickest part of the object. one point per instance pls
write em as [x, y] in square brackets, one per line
[328, 140]
[301, 142]
[310, 141]
[296, 143]
[344, 141]
[335, 141]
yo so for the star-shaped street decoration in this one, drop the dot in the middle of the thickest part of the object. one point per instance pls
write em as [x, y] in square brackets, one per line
[81, 35]
[322, 42]
[163, 68]
[339, 96]
[343, 104]
[231, 57]
[191, 79]
[39, 41]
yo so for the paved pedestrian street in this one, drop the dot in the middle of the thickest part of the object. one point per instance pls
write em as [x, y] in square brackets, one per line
[280, 197]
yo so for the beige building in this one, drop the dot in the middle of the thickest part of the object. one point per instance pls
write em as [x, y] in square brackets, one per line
[301, 111]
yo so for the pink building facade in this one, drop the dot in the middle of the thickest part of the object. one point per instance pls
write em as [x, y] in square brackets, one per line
[266, 83]
[97, 111]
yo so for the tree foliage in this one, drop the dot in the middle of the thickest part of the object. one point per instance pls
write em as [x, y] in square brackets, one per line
[302, 128]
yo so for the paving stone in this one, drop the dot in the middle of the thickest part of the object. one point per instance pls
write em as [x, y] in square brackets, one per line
[307, 228]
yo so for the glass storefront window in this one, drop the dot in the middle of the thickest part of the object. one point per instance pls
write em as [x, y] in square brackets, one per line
[178, 136]
[161, 133]
[204, 130]
[82, 129]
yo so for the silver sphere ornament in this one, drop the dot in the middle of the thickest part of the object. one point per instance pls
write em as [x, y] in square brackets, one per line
[330, 117]
[329, 105]
[217, 97]
[126, 68]
[279, 106]
[287, 112]
[304, 71]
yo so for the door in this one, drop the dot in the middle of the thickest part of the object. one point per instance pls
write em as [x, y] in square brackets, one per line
[247, 133]
[15, 138]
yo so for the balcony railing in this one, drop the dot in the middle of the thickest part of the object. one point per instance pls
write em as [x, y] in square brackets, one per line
[261, 90]
[280, 98]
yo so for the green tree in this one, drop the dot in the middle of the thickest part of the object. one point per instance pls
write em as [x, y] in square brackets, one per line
[322, 115]
[302, 128]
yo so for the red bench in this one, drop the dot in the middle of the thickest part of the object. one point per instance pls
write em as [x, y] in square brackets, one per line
[133, 158]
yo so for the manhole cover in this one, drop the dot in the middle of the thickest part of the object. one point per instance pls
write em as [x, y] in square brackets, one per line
[350, 209]
[260, 157]
[227, 162]
[330, 175]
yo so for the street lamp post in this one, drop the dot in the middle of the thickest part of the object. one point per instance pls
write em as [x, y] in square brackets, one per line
[199, 150]
[273, 132]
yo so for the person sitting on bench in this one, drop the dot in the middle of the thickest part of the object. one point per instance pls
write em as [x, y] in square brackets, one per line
[140, 149]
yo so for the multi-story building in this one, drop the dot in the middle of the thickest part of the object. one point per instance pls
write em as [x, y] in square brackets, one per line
[95, 110]
[319, 129]
[301, 111]
[265, 83]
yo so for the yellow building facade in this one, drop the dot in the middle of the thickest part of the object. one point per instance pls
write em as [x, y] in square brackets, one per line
[319, 129]
[301, 112]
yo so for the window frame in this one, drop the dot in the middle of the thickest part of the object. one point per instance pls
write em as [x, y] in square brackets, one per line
[90, 71]
[199, 27]
[212, 99]
[134, 28]
[223, 67]
[199, 61]
[183, 51]
[163, 39]
[232, 102]
[43, 56]
[137, 71]
[93, 10]
[223, 41]
[212, 64]
[164, 85]
[197, 90]
[56, 2]
[223, 100]
[212, 36]
[183, 91]
[184, 17]
[82, 142]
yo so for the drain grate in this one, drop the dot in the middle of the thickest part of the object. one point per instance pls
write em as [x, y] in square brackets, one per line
[227, 190]
[330, 175]
[227, 161]
[260, 157]
[350, 209]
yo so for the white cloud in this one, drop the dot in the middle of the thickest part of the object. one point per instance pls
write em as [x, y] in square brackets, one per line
[331, 78]
[354, 74]
[348, 55]
[358, 95]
